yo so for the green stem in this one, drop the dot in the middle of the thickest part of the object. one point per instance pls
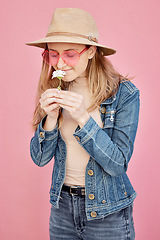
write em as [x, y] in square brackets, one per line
[59, 86]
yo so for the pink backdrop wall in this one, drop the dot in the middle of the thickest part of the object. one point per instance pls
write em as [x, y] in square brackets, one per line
[131, 27]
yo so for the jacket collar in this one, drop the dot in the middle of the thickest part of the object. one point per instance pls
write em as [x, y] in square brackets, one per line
[109, 100]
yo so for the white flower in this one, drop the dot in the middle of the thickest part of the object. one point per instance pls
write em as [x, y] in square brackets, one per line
[58, 73]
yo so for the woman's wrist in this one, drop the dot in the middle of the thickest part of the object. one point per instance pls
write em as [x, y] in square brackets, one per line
[49, 124]
[82, 121]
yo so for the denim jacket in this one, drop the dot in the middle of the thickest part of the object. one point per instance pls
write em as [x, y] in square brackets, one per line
[108, 188]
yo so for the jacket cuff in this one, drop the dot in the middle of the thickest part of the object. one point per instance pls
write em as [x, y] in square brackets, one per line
[87, 131]
[46, 135]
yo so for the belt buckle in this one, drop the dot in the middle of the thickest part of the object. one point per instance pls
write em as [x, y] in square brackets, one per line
[73, 187]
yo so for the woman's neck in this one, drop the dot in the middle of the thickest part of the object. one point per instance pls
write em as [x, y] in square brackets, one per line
[79, 84]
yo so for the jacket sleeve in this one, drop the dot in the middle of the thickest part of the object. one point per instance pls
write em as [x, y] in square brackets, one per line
[43, 145]
[112, 154]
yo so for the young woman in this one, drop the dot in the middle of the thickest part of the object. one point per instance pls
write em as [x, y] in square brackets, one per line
[89, 127]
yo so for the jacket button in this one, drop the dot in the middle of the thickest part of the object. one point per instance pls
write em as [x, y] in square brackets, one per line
[78, 139]
[93, 214]
[90, 172]
[104, 201]
[125, 193]
[41, 134]
[103, 110]
[91, 196]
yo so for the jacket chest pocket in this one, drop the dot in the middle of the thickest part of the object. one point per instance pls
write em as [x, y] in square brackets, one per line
[109, 119]
[108, 116]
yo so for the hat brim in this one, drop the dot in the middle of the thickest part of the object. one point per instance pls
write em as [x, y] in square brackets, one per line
[69, 39]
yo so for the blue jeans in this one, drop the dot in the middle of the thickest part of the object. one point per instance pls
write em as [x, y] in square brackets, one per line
[70, 222]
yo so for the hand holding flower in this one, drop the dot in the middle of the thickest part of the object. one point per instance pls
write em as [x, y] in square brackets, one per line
[74, 104]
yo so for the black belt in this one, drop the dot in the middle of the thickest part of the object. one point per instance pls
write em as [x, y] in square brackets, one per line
[73, 190]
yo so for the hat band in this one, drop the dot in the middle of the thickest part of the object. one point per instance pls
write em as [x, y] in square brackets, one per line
[72, 34]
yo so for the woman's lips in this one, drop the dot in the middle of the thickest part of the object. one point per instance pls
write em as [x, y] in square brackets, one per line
[67, 70]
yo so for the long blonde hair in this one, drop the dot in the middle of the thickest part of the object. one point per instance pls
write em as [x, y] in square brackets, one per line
[103, 82]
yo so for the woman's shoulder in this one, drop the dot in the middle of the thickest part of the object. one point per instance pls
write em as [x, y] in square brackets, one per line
[126, 89]
[127, 92]
[127, 86]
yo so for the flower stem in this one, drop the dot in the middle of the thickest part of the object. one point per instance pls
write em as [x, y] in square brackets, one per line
[59, 86]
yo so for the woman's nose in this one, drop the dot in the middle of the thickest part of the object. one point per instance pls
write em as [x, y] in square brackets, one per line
[60, 63]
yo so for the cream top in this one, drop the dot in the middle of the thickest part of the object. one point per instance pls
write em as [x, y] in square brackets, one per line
[77, 157]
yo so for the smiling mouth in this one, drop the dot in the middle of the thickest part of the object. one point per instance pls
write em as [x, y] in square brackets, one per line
[67, 70]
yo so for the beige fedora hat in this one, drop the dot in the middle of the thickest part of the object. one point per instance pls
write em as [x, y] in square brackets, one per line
[72, 25]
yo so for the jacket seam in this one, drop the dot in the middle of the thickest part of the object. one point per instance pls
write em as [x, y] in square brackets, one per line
[115, 203]
[104, 152]
[48, 139]
[132, 89]
[127, 96]
[90, 136]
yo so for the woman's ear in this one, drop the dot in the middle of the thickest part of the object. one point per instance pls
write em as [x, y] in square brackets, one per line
[91, 51]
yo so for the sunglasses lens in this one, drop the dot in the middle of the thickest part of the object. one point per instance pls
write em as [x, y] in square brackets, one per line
[70, 57]
[51, 58]
[45, 56]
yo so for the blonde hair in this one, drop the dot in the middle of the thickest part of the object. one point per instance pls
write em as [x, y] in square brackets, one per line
[103, 82]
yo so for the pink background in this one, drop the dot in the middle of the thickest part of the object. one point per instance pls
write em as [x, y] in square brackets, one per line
[131, 27]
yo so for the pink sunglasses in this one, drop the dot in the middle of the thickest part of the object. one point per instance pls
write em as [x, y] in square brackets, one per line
[70, 57]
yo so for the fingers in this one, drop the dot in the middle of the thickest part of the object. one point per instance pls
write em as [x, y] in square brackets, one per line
[66, 101]
[48, 103]
[53, 98]
[49, 93]
[51, 108]
[48, 97]
[69, 98]
[71, 101]
[74, 104]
